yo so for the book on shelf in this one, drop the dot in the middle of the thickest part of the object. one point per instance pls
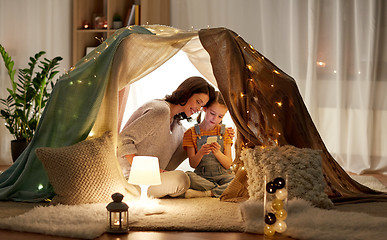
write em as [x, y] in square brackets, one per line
[134, 16]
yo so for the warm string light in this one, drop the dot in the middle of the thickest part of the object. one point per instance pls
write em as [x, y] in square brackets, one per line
[321, 64]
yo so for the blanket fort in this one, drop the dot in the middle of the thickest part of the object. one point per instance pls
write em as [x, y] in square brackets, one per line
[90, 98]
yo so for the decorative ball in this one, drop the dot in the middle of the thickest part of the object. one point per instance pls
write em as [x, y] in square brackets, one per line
[270, 187]
[281, 193]
[281, 214]
[280, 226]
[270, 218]
[277, 204]
[279, 182]
[268, 230]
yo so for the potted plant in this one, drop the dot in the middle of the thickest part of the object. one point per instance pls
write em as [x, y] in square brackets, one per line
[117, 21]
[27, 97]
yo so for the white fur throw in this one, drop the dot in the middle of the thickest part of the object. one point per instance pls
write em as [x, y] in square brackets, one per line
[303, 167]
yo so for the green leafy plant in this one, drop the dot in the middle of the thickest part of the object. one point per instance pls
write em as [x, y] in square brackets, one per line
[117, 17]
[27, 96]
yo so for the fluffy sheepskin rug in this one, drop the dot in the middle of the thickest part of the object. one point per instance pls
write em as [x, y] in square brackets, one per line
[302, 165]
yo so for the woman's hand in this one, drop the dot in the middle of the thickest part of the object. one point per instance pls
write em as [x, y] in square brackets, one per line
[231, 132]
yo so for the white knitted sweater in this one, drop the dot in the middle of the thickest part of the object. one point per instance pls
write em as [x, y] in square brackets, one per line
[148, 132]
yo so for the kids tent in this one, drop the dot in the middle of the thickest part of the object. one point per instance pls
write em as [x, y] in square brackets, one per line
[90, 98]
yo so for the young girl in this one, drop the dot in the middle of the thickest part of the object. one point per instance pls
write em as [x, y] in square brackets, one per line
[210, 160]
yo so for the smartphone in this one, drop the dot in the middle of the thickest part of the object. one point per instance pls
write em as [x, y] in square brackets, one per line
[212, 139]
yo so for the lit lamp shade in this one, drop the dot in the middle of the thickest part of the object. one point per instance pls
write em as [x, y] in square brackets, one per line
[144, 172]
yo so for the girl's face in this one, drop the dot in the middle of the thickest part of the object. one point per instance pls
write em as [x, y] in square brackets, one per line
[214, 114]
[195, 103]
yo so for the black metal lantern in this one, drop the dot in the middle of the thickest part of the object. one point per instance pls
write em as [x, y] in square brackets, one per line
[118, 215]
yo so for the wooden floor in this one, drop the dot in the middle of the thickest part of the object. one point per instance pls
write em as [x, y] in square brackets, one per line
[136, 235]
[156, 235]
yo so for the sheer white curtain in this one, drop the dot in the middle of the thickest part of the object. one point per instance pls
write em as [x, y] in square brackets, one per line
[336, 50]
[27, 27]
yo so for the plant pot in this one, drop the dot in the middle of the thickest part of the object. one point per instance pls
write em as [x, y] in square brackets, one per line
[17, 147]
[117, 24]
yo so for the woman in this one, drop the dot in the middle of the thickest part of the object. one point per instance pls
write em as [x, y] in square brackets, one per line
[154, 129]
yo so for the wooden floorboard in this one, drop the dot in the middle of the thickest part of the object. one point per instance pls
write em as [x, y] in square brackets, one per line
[145, 235]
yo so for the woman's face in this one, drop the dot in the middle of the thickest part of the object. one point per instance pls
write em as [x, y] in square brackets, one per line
[195, 103]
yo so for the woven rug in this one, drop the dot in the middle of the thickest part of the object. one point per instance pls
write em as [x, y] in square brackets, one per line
[201, 214]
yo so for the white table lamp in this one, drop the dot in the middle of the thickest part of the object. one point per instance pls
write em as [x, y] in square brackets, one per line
[144, 172]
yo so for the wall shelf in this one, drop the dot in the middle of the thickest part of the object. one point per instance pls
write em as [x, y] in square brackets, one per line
[85, 11]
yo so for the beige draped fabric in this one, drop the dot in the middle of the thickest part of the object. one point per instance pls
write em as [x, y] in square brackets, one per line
[137, 56]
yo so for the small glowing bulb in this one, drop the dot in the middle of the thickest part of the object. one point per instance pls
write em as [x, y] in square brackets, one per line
[321, 64]
[40, 187]
[273, 114]
[242, 95]
[276, 72]
[334, 71]
[79, 81]
[279, 104]
[242, 168]
[250, 67]
[252, 48]
[279, 134]
[91, 134]
[272, 85]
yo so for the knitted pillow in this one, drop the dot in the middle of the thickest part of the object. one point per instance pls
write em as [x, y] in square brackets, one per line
[86, 172]
[303, 167]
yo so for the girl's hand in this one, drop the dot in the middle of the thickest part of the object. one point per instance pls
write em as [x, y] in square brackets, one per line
[215, 147]
[231, 132]
[205, 149]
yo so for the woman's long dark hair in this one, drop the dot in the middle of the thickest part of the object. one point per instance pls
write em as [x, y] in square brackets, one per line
[186, 89]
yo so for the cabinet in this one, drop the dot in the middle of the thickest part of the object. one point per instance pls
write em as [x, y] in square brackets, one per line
[85, 12]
